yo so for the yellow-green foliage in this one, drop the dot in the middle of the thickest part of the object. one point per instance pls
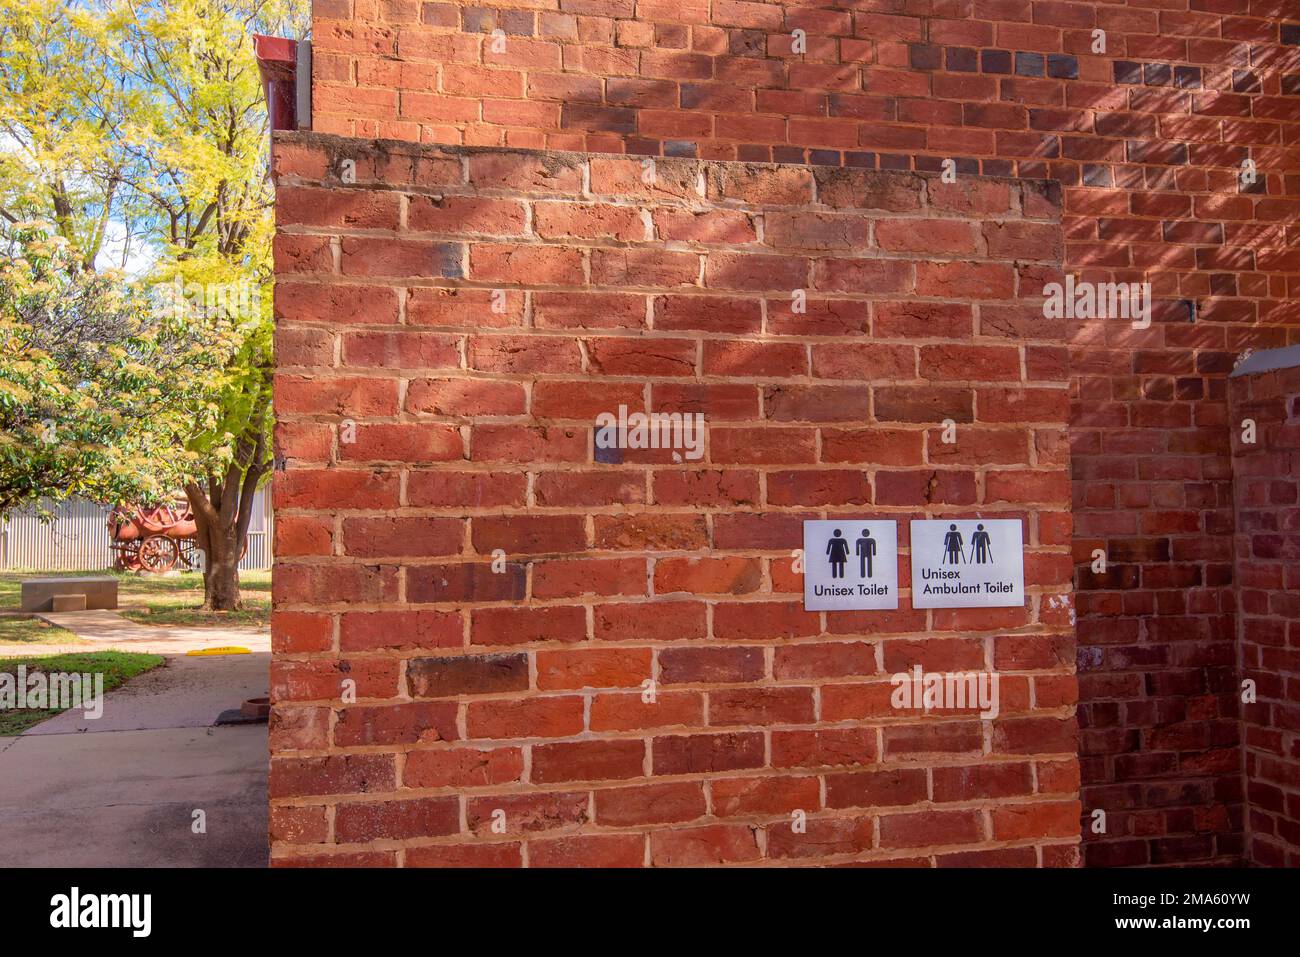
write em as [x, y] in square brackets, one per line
[135, 218]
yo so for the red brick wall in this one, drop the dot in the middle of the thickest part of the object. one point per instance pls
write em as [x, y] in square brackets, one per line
[1147, 139]
[1267, 484]
[521, 691]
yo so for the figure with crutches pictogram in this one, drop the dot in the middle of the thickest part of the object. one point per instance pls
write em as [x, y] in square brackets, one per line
[952, 547]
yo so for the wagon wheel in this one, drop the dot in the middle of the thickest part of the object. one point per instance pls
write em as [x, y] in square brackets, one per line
[158, 553]
[128, 555]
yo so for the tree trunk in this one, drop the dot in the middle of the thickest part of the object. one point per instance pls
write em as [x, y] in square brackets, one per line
[221, 573]
[222, 513]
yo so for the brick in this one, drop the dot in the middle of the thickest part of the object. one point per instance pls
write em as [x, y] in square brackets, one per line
[395, 820]
[465, 855]
[461, 397]
[484, 489]
[421, 722]
[577, 577]
[513, 263]
[548, 717]
[588, 761]
[587, 310]
[527, 813]
[935, 236]
[650, 804]
[704, 846]
[632, 712]
[402, 537]
[296, 728]
[657, 621]
[344, 396]
[515, 626]
[966, 280]
[334, 774]
[462, 767]
[333, 583]
[927, 828]
[534, 290]
[528, 534]
[592, 850]
[658, 357]
[593, 668]
[564, 220]
[351, 304]
[372, 630]
[465, 215]
[821, 837]
[467, 674]
[466, 308]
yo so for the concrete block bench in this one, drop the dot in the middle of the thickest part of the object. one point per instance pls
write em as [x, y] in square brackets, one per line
[69, 594]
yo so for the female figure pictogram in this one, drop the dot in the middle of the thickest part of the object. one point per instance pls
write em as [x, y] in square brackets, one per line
[837, 551]
[952, 547]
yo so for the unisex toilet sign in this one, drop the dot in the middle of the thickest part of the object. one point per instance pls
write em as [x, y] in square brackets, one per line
[850, 564]
[977, 563]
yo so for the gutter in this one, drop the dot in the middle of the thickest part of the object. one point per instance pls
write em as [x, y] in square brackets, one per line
[285, 65]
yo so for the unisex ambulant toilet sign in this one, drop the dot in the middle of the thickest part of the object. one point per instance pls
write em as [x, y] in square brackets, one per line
[975, 563]
[849, 564]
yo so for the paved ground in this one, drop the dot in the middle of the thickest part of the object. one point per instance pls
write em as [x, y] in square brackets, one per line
[127, 798]
[100, 630]
[182, 693]
[122, 790]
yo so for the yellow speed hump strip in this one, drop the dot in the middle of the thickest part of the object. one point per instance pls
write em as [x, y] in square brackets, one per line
[223, 650]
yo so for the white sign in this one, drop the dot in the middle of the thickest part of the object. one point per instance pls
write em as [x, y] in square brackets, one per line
[976, 563]
[850, 563]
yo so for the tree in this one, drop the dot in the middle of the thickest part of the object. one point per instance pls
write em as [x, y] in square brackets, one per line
[138, 129]
[100, 389]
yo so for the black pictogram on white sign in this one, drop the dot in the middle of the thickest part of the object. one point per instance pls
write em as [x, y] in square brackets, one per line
[968, 563]
[850, 564]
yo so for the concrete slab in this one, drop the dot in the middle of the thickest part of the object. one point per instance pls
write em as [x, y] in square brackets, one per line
[38, 594]
[126, 798]
[181, 693]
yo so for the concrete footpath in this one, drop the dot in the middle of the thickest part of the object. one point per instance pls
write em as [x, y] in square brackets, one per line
[122, 791]
[101, 630]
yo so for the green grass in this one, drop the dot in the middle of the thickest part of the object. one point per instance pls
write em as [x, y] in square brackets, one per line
[117, 667]
[170, 599]
[33, 631]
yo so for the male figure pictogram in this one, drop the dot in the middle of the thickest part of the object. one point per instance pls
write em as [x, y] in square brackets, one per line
[981, 546]
[837, 551]
[866, 551]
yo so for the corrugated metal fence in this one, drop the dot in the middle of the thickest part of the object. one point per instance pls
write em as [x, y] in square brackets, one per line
[77, 538]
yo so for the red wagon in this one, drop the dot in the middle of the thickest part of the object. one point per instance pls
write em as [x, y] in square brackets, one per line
[153, 539]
